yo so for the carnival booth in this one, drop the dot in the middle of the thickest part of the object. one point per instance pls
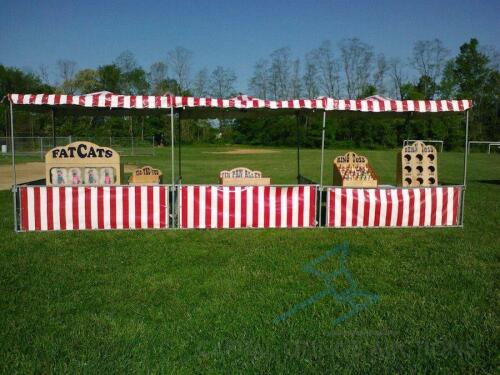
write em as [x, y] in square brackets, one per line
[84, 187]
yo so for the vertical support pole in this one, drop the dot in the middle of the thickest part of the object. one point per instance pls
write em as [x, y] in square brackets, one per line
[172, 143]
[179, 132]
[13, 152]
[298, 148]
[466, 154]
[320, 205]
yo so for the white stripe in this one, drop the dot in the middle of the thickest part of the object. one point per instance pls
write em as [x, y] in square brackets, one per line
[455, 106]
[88, 100]
[51, 99]
[81, 207]
[144, 206]
[406, 207]
[348, 216]
[69, 208]
[131, 206]
[202, 206]
[272, 207]
[307, 203]
[190, 206]
[106, 205]
[126, 103]
[237, 207]
[56, 208]
[361, 207]
[416, 208]
[439, 206]
[376, 106]
[410, 105]
[449, 212]
[383, 206]
[399, 106]
[372, 202]
[156, 207]
[114, 101]
[295, 207]
[138, 104]
[93, 208]
[38, 99]
[428, 202]
[101, 101]
[341, 105]
[31, 208]
[225, 207]
[433, 106]
[284, 207]
[213, 206]
[364, 106]
[119, 207]
[43, 208]
[338, 207]
[260, 215]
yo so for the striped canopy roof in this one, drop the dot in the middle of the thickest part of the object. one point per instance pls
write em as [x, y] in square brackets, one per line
[107, 100]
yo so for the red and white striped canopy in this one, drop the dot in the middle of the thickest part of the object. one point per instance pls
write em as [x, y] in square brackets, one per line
[107, 100]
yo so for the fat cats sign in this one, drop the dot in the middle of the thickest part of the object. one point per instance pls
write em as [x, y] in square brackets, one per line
[82, 163]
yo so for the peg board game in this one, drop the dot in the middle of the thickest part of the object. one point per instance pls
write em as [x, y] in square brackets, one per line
[352, 170]
[82, 163]
[145, 176]
[242, 176]
[417, 165]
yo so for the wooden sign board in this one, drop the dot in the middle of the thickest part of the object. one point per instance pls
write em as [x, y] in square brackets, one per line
[352, 170]
[242, 176]
[145, 176]
[417, 165]
[82, 163]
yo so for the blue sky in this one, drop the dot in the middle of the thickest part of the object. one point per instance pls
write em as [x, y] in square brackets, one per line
[233, 34]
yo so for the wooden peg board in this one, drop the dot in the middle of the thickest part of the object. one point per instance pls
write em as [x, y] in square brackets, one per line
[145, 176]
[352, 170]
[417, 165]
[242, 176]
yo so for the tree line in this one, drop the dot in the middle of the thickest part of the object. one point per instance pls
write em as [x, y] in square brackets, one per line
[350, 68]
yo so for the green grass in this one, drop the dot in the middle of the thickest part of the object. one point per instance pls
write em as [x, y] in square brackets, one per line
[205, 301]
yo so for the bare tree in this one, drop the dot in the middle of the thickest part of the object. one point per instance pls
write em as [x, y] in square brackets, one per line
[67, 70]
[295, 84]
[397, 74]
[201, 83]
[280, 73]
[179, 59]
[126, 61]
[328, 69]
[43, 73]
[259, 82]
[157, 76]
[222, 82]
[357, 61]
[429, 59]
[310, 77]
[380, 72]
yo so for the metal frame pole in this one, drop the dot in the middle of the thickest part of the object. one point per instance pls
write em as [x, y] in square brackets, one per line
[322, 168]
[466, 154]
[172, 143]
[14, 179]
[298, 148]
[179, 132]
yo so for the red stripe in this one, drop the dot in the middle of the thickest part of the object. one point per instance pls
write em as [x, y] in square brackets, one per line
[277, 215]
[125, 194]
[232, 213]
[184, 207]
[50, 209]
[439, 106]
[45, 98]
[88, 208]
[36, 204]
[399, 220]
[267, 202]
[138, 207]
[331, 208]
[394, 106]
[370, 105]
[456, 194]
[145, 101]
[74, 201]
[444, 213]
[244, 206]
[422, 208]
[132, 105]
[312, 206]
[358, 104]
[100, 208]
[208, 205]
[163, 220]
[433, 206]
[220, 207]
[196, 202]
[388, 212]
[62, 207]
[32, 101]
[405, 105]
[376, 222]
[343, 207]
[151, 207]
[411, 205]
[24, 208]
[289, 207]
[121, 101]
[381, 105]
[460, 105]
[354, 217]
[255, 208]
[366, 210]
[95, 100]
[112, 207]
[427, 105]
[81, 100]
[300, 221]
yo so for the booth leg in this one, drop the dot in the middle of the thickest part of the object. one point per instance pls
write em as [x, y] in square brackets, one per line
[466, 154]
[14, 179]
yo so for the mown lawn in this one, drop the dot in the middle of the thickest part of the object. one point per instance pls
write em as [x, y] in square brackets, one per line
[205, 301]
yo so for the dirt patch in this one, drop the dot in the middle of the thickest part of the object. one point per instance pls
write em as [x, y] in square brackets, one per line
[243, 151]
[26, 172]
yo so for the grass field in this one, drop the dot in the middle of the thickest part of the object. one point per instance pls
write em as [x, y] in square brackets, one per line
[205, 301]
